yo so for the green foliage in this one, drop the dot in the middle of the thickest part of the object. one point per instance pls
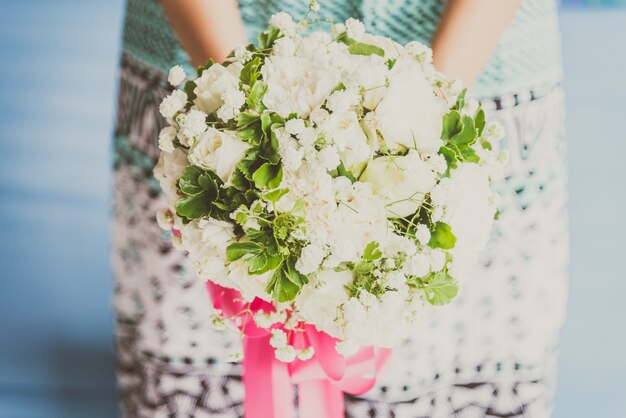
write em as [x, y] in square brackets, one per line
[359, 48]
[189, 87]
[250, 72]
[439, 288]
[200, 188]
[442, 237]
[267, 38]
[206, 66]
[363, 270]
[204, 194]
[286, 282]
[255, 98]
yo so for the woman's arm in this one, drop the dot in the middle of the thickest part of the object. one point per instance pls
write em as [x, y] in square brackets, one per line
[468, 32]
[206, 28]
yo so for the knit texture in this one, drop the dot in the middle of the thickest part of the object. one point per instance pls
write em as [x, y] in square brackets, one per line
[528, 53]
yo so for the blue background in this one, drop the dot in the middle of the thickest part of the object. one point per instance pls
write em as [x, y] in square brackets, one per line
[57, 93]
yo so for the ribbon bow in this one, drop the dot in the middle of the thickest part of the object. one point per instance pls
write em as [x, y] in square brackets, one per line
[321, 380]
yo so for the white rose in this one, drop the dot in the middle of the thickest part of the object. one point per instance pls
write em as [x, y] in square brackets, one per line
[168, 170]
[403, 180]
[249, 285]
[219, 152]
[213, 83]
[470, 213]
[346, 132]
[318, 301]
[410, 115]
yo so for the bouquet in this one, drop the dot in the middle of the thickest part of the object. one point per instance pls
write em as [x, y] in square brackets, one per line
[329, 179]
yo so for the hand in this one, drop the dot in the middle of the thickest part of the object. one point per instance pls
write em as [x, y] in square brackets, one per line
[206, 28]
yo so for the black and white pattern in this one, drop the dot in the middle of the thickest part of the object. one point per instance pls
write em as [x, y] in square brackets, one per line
[490, 354]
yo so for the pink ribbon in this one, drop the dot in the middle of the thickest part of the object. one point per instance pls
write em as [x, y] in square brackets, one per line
[321, 380]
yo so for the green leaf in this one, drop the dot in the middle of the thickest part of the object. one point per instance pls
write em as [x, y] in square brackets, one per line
[450, 157]
[208, 64]
[391, 62]
[372, 251]
[194, 207]
[467, 134]
[267, 38]
[440, 289]
[285, 282]
[469, 155]
[343, 171]
[250, 72]
[274, 195]
[190, 86]
[480, 121]
[485, 144]
[275, 181]
[442, 237]
[359, 48]
[268, 175]
[256, 96]
[188, 183]
[460, 100]
[452, 125]
[237, 250]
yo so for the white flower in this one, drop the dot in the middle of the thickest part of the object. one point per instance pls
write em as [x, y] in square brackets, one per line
[297, 84]
[279, 338]
[173, 103]
[396, 280]
[354, 311]
[504, 157]
[348, 136]
[410, 115]
[437, 260]
[166, 139]
[176, 75]
[494, 131]
[439, 192]
[319, 300]
[310, 259]
[164, 219]
[437, 214]
[306, 353]
[343, 100]
[283, 22]
[347, 348]
[284, 47]
[319, 116]
[219, 152]
[242, 54]
[403, 180]
[193, 123]
[314, 6]
[294, 126]
[355, 29]
[417, 265]
[422, 234]
[213, 83]
[438, 163]
[420, 51]
[233, 100]
[168, 170]
[337, 29]
[250, 285]
[286, 354]
[329, 158]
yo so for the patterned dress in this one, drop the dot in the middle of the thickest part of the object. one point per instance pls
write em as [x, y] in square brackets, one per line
[490, 354]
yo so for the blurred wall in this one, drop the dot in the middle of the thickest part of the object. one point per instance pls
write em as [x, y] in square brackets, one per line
[57, 84]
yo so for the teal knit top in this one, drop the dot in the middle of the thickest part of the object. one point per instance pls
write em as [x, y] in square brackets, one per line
[527, 56]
